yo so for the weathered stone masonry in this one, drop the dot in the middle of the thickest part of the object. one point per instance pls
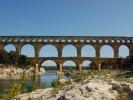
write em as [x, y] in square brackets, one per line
[60, 41]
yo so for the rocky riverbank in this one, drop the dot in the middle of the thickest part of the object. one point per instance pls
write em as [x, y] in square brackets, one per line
[14, 72]
[92, 90]
[94, 87]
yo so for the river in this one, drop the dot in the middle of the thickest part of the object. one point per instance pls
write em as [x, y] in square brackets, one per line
[42, 81]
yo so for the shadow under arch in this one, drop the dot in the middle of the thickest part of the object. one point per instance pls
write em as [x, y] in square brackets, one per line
[88, 64]
[69, 51]
[123, 51]
[69, 64]
[106, 51]
[28, 50]
[88, 51]
[9, 47]
[108, 64]
[48, 51]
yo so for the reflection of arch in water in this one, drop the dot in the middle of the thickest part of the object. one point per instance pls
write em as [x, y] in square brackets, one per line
[88, 64]
[49, 64]
[69, 51]
[48, 51]
[69, 64]
[106, 51]
[28, 50]
[123, 51]
[9, 47]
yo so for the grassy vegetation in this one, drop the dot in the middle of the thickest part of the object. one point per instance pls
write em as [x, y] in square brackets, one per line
[12, 91]
[16, 88]
[123, 94]
[58, 85]
[80, 77]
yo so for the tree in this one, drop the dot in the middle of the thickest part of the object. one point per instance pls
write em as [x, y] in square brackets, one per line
[23, 61]
[92, 65]
[13, 58]
[128, 62]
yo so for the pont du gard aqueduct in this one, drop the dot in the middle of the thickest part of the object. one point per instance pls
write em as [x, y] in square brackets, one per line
[61, 41]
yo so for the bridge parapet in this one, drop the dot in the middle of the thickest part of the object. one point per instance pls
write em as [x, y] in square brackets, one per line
[66, 39]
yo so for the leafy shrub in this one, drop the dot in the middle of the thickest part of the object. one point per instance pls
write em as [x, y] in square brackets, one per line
[12, 91]
[13, 58]
[55, 83]
[28, 87]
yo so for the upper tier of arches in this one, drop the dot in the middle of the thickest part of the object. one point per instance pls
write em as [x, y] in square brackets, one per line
[107, 51]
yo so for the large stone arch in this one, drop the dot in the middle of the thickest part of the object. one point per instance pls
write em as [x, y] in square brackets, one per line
[28, 50]
[123, 51]
[88, 64]
[69, 51]
[9, 47]
[49, 64]
[106, 51]
[88, 51]
[48, 51]
[69, 64]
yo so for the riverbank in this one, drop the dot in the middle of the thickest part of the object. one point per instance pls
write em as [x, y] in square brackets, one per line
[15, 72]
[93, 85]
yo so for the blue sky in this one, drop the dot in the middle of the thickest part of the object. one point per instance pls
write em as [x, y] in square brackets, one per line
[66, 18]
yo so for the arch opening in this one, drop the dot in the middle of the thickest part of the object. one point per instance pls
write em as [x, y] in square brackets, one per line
[48, 51]
[49, 65]
[28, 50]
[69, 51]
[106, 51]
[9, 48]
[123, 51]
[69, 64]
[87, 64]
[88, 51]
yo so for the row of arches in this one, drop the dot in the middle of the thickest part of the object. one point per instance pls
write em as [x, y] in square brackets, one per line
[68, 63]
[69, 51]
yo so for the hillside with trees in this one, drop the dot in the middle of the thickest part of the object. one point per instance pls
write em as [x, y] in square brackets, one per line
[12, 58]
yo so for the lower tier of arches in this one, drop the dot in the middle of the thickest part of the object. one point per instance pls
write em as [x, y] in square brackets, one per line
[97, 64]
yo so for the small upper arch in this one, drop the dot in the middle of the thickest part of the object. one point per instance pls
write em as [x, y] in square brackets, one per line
[123, 51]
[107, 51]
[69, 51]
[48, 51]
[28, 50]
[88, 51]
[9, 47]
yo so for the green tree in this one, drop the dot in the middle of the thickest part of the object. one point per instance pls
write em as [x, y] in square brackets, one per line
[23, 61]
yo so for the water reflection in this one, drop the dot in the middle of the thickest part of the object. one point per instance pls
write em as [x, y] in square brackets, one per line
[43, 80]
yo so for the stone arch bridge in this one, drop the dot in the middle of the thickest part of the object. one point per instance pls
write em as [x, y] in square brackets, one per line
[61, 41]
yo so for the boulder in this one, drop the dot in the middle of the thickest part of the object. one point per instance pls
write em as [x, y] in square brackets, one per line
[74, 94]
[116, 85]
[131, 92]
[22, 97]
[42, 70]
[62, 80]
